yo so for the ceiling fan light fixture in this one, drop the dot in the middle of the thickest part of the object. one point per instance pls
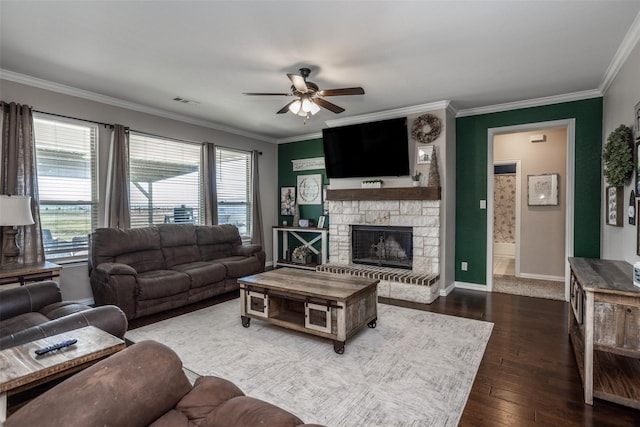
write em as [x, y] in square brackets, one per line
[314, 108]
[295, 106]
[306, 105]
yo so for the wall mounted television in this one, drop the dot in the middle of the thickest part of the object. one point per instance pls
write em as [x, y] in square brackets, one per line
[367, 150]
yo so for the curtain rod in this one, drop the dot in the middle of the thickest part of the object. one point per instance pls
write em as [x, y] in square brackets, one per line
[131, 130]
[107, 125]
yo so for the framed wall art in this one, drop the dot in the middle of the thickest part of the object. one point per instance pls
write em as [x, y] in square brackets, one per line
[287, 200]
[424, 154]
[614, 205]
[638, 227]
[542, 190]
[310, 189]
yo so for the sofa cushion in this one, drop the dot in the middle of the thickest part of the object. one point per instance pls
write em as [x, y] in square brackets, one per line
[203, 273]
[217, 241]
[240, 266]
[64, 308]
[22, 321]
[179, 244]
[137, 247]
[162, 283]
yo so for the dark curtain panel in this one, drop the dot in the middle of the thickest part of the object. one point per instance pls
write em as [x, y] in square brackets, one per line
[117, 214]
[256, 220]
[209, 191]
[19, 176]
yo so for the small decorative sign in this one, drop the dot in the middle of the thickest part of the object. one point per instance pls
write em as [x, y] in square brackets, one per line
[308, 164]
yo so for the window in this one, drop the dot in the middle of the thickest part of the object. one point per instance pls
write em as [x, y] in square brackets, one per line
[66, 165]
[233, 182]
[164, 181]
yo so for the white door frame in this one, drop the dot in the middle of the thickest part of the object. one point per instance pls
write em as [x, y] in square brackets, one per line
[518, 164]
[570, 126]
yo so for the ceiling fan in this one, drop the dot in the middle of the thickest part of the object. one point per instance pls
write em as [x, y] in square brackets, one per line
[309, 97]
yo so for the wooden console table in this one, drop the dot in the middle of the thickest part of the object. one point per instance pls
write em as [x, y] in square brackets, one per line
[603, 328]
[26, 273]
[300, 233]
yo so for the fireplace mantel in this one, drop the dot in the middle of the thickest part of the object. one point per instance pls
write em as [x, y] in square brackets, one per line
[399, 193]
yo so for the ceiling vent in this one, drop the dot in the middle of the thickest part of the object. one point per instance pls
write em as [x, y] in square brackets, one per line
[185, 101]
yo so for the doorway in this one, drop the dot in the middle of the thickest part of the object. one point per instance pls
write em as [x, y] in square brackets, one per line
[528, 241]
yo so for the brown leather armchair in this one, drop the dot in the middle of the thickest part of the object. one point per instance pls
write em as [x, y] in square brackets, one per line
[145, 385]
[36, 311]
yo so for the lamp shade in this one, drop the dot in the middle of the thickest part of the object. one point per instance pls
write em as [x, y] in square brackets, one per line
[15, 210]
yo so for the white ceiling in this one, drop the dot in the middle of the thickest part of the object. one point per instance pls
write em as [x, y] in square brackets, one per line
[403, 53]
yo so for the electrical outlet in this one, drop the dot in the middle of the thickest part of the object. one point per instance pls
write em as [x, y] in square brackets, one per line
[464, 266]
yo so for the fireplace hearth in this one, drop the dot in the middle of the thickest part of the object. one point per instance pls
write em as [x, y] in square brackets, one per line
[384, 246]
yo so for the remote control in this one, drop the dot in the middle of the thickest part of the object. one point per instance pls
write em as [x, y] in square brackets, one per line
[56, 346]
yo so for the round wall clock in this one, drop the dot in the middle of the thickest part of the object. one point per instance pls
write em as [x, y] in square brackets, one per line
[309, 188]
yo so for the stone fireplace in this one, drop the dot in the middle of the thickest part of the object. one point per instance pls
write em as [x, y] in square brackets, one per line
[384, 246]
[414, 209]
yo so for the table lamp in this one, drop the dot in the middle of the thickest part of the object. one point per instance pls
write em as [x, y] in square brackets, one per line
[14, 211]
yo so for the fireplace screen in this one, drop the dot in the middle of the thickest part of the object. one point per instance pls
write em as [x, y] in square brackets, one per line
[382, 246]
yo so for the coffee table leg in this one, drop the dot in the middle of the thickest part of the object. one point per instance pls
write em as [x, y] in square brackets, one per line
[3, 407]
[338, 346]
[245, 321]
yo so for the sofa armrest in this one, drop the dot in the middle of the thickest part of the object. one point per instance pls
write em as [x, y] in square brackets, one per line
[247, 249]
[115, 283]
[28, 298]
[109, 318]
[112, 268]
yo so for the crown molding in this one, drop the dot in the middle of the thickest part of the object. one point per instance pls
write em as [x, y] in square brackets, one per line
[390, 114]
[622, 54]
[299, 138]
[537, 102]
[115, 102]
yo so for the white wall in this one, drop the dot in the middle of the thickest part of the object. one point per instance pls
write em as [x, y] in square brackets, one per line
[542, 228]
[621, 96]
[74, 278]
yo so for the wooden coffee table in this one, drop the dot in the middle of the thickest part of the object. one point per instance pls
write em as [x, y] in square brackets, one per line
[329, 305]
[21, 369]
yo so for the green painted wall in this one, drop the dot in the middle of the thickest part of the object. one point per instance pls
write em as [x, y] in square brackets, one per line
[288, 178]
[471, 179]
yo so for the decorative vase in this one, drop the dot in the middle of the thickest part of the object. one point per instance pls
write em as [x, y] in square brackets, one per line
[416, 183]
[296, 216]
[434, 175]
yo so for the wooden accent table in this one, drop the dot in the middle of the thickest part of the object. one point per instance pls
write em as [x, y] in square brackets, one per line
[25, 273]
[21, 369]
[329, 305]
[300, 233]
[603, 328]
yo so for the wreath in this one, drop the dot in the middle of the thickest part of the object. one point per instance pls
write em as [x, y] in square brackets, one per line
[417, 130]
[618, 156]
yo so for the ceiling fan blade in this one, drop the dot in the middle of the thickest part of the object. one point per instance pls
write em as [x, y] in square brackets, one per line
[343, 91]
[298, 83]
[267, 94]
[285, 108]
[328, 105]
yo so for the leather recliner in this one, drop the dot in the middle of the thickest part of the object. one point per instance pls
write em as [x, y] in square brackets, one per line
[36, 311]
[145, 385]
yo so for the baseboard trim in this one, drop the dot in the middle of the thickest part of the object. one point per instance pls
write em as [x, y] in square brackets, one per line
[471, 286]
[447, 290]
[541, 277]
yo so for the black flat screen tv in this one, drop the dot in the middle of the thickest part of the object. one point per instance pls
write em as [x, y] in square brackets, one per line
[367, 150]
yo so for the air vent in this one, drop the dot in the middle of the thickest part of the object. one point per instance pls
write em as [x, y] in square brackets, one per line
[185, 101]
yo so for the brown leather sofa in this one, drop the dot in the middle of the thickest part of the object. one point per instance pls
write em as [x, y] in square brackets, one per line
[36, 311]
[145, 385]
[152, 269]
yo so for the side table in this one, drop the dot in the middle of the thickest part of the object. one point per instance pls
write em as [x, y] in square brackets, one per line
[21, 369]
[26, 273]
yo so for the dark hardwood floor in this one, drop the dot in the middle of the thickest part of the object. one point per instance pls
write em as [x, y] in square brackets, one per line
[528, 375]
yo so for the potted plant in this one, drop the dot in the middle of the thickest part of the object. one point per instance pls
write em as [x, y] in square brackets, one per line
[618, 157]
[415, 178]
[301, 255]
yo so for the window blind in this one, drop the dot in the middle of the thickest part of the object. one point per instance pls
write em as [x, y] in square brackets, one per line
[233, 183]
[165, 184]
[66, 166]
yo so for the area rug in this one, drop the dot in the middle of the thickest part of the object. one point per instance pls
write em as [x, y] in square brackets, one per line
[414, 369]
